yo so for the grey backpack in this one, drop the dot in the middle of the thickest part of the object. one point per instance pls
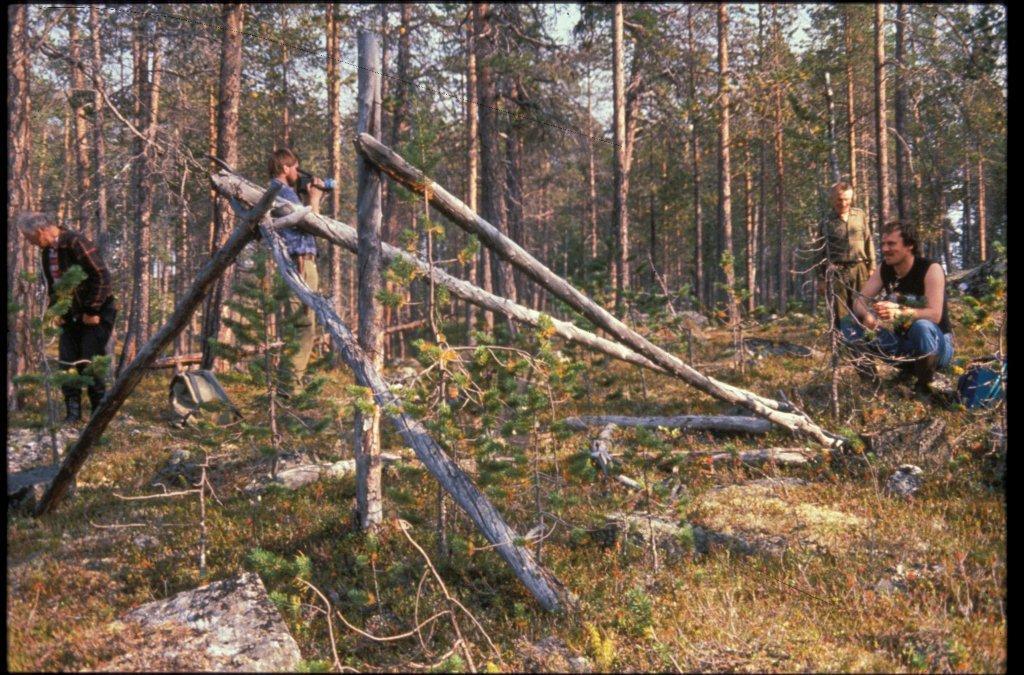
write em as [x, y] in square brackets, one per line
[194, 392]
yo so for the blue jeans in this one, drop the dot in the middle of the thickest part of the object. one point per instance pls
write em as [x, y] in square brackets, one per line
[923, 338]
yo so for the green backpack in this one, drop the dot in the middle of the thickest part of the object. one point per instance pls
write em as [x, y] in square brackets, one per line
[194, 392]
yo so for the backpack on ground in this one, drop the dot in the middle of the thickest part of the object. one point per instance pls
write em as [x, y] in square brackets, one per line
[981, 386]
[193, 393]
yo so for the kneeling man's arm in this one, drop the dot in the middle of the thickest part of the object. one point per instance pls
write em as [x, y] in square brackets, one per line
[872, 287]
[934, 295]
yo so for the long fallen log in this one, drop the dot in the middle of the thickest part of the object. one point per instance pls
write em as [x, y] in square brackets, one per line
[243, 233]
[779, 456]
[548, 591]
[455, 210]
[739, 423]
[232, 185]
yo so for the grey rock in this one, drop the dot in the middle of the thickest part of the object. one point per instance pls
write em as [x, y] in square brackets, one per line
[26, 488]
[29, 448]
[691, 319]
[550, 654]
[178, 472]
[145, 541]
[235, 627]
[641, 529]
[905, 481]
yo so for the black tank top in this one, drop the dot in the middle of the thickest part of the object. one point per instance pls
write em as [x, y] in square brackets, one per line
[910, 289]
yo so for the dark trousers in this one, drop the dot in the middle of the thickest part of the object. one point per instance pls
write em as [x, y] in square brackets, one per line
[77, 342]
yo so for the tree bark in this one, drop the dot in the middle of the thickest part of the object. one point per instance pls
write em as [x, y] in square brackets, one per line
[591, 173]
[621, 211]
[398, 114]
[369, 505]
[334, 152]
[724, 167]
[966, 233]
[472, 170]
[548, 591]
[881, 121]
[458, 213]
[492, 174]
[81, 129]
[780, 206]
[230, 92]
[126, 382]
[19, 190]
[851, 113]
[900, 112]
[748, 212]
[699, 288]
[99, 148]
[982, 225]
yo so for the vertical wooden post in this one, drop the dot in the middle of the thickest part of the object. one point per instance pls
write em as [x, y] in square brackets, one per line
[369, 213]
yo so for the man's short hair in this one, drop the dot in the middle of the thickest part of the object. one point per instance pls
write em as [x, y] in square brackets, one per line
[31, 222]
[279, 159]
[908, 233]
[840, 187]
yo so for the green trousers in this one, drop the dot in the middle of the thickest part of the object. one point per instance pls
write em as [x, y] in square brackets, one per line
[303, 319]
[850, 279]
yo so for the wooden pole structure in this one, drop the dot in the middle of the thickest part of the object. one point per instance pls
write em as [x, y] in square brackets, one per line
[242, 234]
[232, 185]
[548, 591]
[371, 339]
[455, 210]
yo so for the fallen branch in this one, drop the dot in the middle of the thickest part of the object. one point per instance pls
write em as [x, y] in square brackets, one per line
[542, 584]
[460, 214]
[232, 185]
[750, 425]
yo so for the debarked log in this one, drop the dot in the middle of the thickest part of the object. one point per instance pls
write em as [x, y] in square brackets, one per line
[457, 212]
[548, 591]
[736, 423]
[244, 232]
[233, 185]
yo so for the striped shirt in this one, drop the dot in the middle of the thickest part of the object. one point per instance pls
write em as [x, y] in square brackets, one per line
[296, 241]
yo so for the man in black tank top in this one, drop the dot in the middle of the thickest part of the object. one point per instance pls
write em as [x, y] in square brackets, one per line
[910, 314]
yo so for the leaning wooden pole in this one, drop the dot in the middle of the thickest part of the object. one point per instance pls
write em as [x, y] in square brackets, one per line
[231, 185]
[460, 214]
[243, 233]
[548, 591]
[369, 498]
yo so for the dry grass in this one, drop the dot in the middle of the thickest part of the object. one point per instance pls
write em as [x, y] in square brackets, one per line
[888, 585]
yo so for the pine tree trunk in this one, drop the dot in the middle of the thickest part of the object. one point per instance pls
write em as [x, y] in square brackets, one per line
[902, 198]
[780, 206]
[881, 119]
[398, 115]
[230, 91]
[99, 148]
[472, 172]
[514, 200]
[492, 174]
[966, 233]
[621, 210]
[748, 213]
[371, 338]
[724, 166]
[591, 173]
[80, 142]
[982, 225]
[698, 224]
[19, 190]
[334, 152]
[851, 110]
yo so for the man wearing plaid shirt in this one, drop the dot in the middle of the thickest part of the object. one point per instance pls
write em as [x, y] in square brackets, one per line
[86, 326]
[284, 170]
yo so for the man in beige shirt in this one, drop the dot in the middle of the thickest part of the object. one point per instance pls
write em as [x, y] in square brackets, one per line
[847, 243]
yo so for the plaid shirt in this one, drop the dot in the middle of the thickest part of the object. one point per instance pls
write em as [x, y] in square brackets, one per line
[74, 249]
[296, 241]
